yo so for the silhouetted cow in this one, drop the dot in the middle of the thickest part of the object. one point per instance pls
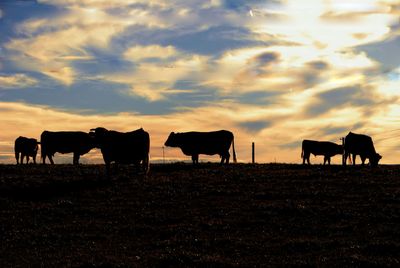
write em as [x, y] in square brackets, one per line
[325, 148]
[27, 147]
[362, 145]
[123, 147]
[209, 143]
[64, 142]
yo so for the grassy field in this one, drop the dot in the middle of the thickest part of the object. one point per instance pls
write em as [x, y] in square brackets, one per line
[207, 216]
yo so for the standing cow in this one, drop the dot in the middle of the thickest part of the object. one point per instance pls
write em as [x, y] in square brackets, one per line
[27, 147]
[325, 148]
[209, 143]
[76, 142]
[123, 147]
[362, 145]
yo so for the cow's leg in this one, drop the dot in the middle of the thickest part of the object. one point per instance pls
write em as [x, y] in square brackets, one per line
[362, 160]
[195, 158]
[50, 158]
[76, 159]
[326, 159]
[306, 157]
[329, 160]
[354, 159]
[22, 158]
[34, 158]
[225, 158]
[146, 164]
[17, 157]
[27, 159]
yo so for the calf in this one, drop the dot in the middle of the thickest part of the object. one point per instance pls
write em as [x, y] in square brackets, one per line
[325, 148]
[27, 147]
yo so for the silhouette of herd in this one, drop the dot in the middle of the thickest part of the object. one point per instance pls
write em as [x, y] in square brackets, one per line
[123, 147]
[133, 147]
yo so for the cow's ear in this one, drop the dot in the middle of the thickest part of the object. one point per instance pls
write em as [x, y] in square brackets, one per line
[172, 133]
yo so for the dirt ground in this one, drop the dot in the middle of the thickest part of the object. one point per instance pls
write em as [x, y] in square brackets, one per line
[240, 215]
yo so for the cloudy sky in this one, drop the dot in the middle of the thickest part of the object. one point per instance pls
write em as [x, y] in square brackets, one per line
[272, 71]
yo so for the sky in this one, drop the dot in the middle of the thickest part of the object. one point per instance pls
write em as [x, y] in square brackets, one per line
[273, 72]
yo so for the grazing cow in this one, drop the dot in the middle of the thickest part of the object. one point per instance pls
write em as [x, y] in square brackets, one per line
[209, 143]
[325, 148]
[123, 147]
[76, 142]
[362, 145]
[27, 147]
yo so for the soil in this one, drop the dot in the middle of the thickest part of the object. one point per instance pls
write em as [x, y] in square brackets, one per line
[179, 215]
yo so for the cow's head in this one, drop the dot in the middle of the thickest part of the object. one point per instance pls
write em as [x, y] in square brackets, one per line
[374, 160]
[172, 140]
[98, 135]
[339, 149]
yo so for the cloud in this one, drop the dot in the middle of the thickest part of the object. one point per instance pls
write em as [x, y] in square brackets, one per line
[138, 53]
[339, 97]
[68, 36]
[17, 81]
[254, 126]
[154, 81]
[64, 74]
[369, 17]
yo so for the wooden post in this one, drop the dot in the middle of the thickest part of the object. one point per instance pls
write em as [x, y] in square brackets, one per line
[253, 154]
[343, 155]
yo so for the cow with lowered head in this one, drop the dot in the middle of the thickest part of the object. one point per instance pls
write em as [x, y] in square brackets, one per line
[209, 143]
[27, 147]
[76, 142]
[123, 147]
[325, 148]
[362, 145]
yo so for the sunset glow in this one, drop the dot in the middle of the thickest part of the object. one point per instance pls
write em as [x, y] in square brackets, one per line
[273, 72]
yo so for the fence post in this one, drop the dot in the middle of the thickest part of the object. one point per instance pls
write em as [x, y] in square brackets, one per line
[253, 154]
[163, 155]
[343, 155]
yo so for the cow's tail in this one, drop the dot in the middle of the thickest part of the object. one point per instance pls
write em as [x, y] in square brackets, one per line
[302, 150]
[43, 152]
[233, 149]
[17, 156]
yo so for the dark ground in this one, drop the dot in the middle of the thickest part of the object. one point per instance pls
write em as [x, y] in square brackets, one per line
[207, 216]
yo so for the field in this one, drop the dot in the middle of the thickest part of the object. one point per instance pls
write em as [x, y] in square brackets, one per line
[207, 216]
